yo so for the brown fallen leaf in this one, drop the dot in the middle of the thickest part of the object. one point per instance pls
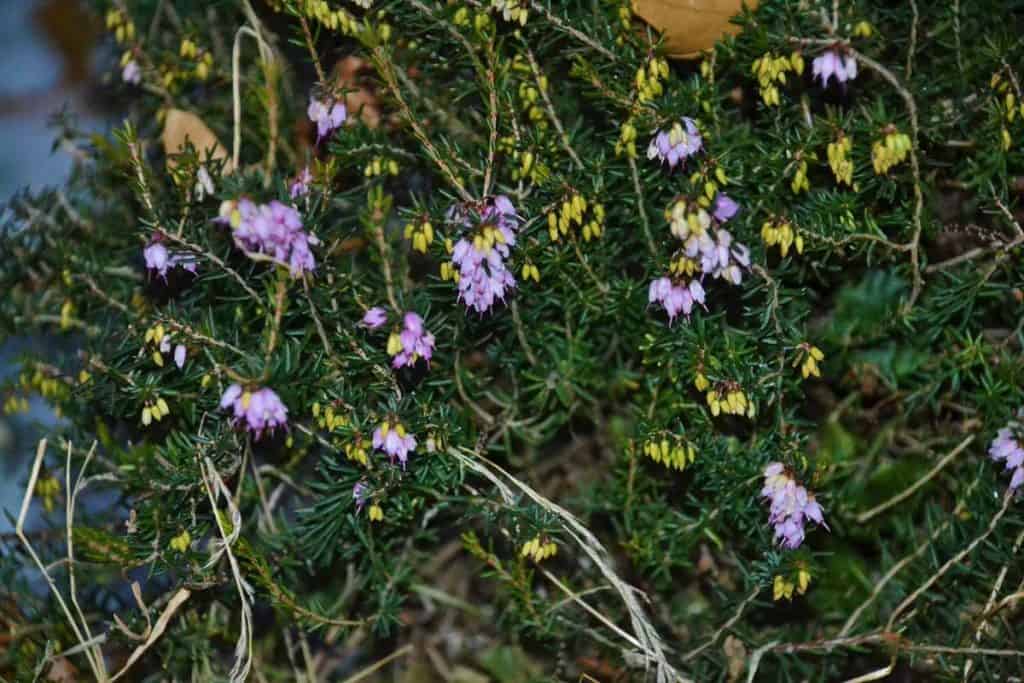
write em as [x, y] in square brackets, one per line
[690, 26]
[180, 126]
[352, 73]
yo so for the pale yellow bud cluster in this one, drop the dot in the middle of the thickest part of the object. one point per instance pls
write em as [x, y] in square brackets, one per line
[538, 550]
[799, 181]
[67, 315]
[154, 336]
[839, 159]
[770, 70]
[122, 26]
[512, 10]
[375, 513]
[448, 269]
[530, 272]
[649, 77]
[780, 232]
[783, 587]
[701, 382]
[808, 360]
[1010, 106]
[731, 400]
[889, 151]
[672, 454]
[15, 404]
[529, 94]
[530, 166]
[575, 210]
[181, 542]
[326, 417]
[335, 19]
[48, 386]
[863, 29]
[154, 411]
[421, 234]
[485, 238]
[379, 166]
[47, 488]
[481, 20]
[626, 143]
[684, 266]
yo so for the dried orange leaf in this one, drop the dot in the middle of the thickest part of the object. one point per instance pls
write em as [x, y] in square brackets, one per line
[690, 26]
[181, 126]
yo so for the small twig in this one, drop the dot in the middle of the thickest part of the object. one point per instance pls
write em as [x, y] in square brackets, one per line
[578, 35]
[521, 333]
[552, 114]
[909, 491]
[724, 627]
[216, 260]
[379, 664]
[641, 209]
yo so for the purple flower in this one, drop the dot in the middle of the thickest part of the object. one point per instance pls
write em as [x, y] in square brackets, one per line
[393, 440]
[274, 230]
[300, 186]
[374, 318]
[490, 231]
[1008, 447]
[360, 493]
[725, 207]
[259, 410]
[833, 63]
[413, 343]
[791, 505]
[723, 260]
[131, 73]
[676, 144]
[675, 297]
[179, 356]
[326, 115]
[160, 259]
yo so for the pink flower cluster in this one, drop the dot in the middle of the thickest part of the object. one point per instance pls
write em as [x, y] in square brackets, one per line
[408, 345]
[326, 115]
[391, 438]
[273, 229]
[160, 259]
[791, 506]
[834, 63]
[258, 410]
[480, 254]
[676, 297]
[414, 340]
[1008, 448]
[300, 185]
[677, 143]
[707, 249]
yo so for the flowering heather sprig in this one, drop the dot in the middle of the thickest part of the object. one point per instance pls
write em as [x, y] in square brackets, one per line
[832, 62]
[391, 438]
[791, 506]
[675, 297]
[160, 259]
[326, 115]
[412, 343]
[360, 494]
[258, 410]
[676, 144]
[300, 185]
[273, 229]
[374, 318]
[131, 72]
[490, 230]
[1008, 447]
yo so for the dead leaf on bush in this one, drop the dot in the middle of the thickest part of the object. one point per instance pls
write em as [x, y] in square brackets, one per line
[180, 126]
[690, 26]
[736, 653]
[351, 73]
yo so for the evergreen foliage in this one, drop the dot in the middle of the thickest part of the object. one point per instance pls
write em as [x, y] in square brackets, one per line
[568, 482]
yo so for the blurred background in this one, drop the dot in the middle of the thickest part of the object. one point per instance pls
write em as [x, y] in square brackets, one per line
[51, 63]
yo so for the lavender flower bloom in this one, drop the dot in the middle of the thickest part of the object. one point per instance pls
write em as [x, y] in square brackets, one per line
[131, 73]
[160, 259]
[393, 440]
[259, 410]
[1008, 447]
[723, 260]
[675, 297]
[360, 493]
[791, 506]
[675, 145]
[481, 253]
[204, 184]
[326, 115]
[832, 63]
[725, 207]
[412, 344]
[179, 350]
[273, 229]
[300, 186]
[374, 318]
